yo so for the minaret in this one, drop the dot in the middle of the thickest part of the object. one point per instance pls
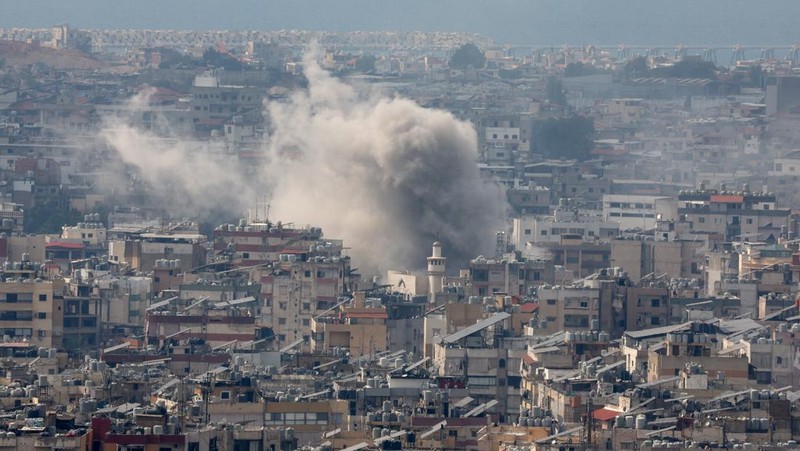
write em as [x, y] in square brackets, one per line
[436, 271]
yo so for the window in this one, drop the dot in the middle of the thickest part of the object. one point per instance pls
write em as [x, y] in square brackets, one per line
[779, 360]
[544, 232]
[306, 322]
[655, 302]
[551, 302]
[655, 321]
[306, 306]
[527, 231]
[225, 395]
[245, 254]
[281, 320]
[43, 333]
[42, 315]
[576, 321]
[701, 220]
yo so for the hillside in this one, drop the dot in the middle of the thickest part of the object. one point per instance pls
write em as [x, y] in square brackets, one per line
[16, 53]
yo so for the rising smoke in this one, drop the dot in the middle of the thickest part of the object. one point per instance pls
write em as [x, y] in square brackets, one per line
[384, 174]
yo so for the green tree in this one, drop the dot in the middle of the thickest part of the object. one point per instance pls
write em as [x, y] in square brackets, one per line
[467, 56]
[49, 216]
[580, 69]
[568, 137]
[213, 58]
[688, 68]
[635, 68]
[756, 76]
[555, 92]
[366, 64]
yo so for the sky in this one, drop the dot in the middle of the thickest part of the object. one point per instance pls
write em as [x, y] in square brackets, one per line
[528, 22]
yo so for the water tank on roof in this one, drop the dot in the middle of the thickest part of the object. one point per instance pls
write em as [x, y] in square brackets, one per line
[629, 421]
[641, 421]
[619, 421]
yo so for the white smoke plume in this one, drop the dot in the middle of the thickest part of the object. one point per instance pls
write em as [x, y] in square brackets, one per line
[184, 177]
[383, 173]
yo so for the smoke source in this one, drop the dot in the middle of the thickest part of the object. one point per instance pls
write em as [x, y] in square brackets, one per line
[384, 174]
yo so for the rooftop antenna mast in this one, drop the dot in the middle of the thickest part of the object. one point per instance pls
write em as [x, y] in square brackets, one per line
[267, 206]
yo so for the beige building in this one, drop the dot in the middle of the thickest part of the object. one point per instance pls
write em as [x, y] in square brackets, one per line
[407, 283]
[584, 309]
[296, 291]
[671, 259]
[359, 329]
[143, 251]
[33, 311]
[512, 277]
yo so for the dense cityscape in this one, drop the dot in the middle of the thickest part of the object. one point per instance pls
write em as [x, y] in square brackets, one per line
[280, 240]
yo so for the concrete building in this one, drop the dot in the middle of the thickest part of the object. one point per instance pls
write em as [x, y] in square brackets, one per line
[32, 309]
[300, 288]
[536, 229]
[726, 216]
[515, 277]
[631, 211]
[143, 250]
[360, 329]
[640, 257]
[579, 309]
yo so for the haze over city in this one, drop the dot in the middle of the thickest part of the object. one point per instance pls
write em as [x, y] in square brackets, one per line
[453, 225]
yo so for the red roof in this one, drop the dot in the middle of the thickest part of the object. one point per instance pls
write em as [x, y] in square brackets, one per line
[530, 307]
[605, 414]
[727, 199]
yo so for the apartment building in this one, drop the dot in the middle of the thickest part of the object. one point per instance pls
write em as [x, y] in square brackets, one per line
[32, 309]
[631, 211]
[142, 251]
[514, 277]
[531, 229]
[360, 329]
[571, 308]
[733, 216]
[256, 243]
[301, 287]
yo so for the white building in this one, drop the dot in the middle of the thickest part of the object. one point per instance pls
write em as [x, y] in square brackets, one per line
[537, 229]
[436, 271]
[631, 211]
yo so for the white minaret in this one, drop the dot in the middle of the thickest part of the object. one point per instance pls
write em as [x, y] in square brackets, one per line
[436, 271]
